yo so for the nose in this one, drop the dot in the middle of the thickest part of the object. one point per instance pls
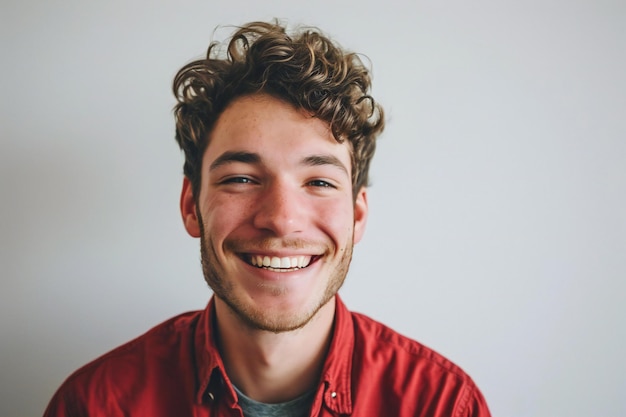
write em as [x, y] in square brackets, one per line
[281, 210]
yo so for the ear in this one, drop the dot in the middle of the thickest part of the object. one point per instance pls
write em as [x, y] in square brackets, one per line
[360, 215]
[188, 209]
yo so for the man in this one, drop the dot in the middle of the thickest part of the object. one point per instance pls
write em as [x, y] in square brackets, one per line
[278, 134]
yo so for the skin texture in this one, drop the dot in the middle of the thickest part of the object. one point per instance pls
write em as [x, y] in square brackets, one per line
[274, 183]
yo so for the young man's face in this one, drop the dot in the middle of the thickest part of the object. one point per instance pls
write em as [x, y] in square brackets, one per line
[275, 214]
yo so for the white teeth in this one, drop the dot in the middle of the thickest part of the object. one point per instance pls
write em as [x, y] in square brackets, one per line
[275, 262]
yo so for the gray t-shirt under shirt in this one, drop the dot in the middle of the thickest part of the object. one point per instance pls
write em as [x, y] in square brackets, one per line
[298, 407]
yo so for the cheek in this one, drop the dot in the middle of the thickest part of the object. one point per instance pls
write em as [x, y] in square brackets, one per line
[224, 214]
[337, 221]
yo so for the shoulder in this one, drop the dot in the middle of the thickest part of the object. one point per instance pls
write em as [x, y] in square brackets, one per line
[163, 352]
[399, 367]
[376, 338]
[162, 340]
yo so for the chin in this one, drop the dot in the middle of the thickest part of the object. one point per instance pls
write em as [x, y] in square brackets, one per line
[287, 316]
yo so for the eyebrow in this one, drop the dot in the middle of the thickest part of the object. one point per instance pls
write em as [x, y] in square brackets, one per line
[316, 160]
[235, 156]
[254, 158]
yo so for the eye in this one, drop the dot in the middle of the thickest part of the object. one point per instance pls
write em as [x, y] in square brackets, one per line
[321, 183]
[237, 180]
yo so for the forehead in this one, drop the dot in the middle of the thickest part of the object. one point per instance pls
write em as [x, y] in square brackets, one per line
[263, 124]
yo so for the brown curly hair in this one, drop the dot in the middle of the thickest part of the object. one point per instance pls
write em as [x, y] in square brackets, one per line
[305, 69]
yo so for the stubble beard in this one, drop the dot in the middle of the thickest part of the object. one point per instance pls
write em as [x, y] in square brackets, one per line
[259, 319]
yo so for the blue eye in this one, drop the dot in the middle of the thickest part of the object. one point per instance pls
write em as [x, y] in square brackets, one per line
[321, 183]
[238, 180]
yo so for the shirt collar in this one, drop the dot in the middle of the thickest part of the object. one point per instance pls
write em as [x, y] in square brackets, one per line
[337, 371]
[336, 374]
[211, 377]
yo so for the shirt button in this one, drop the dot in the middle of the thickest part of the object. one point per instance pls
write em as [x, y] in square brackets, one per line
[210, 395]
[333, 394]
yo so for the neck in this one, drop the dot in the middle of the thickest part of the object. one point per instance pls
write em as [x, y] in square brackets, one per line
[274, 367]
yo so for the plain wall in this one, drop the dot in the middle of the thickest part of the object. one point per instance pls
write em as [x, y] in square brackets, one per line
[497, 228]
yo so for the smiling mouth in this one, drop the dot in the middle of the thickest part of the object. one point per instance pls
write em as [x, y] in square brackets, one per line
[280, 264]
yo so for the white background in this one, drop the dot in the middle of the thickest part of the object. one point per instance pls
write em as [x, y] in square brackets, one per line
[497, 231]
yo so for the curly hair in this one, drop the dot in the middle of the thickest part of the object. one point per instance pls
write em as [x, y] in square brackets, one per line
[305, 69]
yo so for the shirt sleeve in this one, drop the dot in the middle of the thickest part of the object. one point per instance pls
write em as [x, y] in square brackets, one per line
[474, 405]
[62, 405]
[56, 408]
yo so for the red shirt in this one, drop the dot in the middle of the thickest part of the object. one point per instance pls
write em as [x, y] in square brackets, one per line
[176, 370]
